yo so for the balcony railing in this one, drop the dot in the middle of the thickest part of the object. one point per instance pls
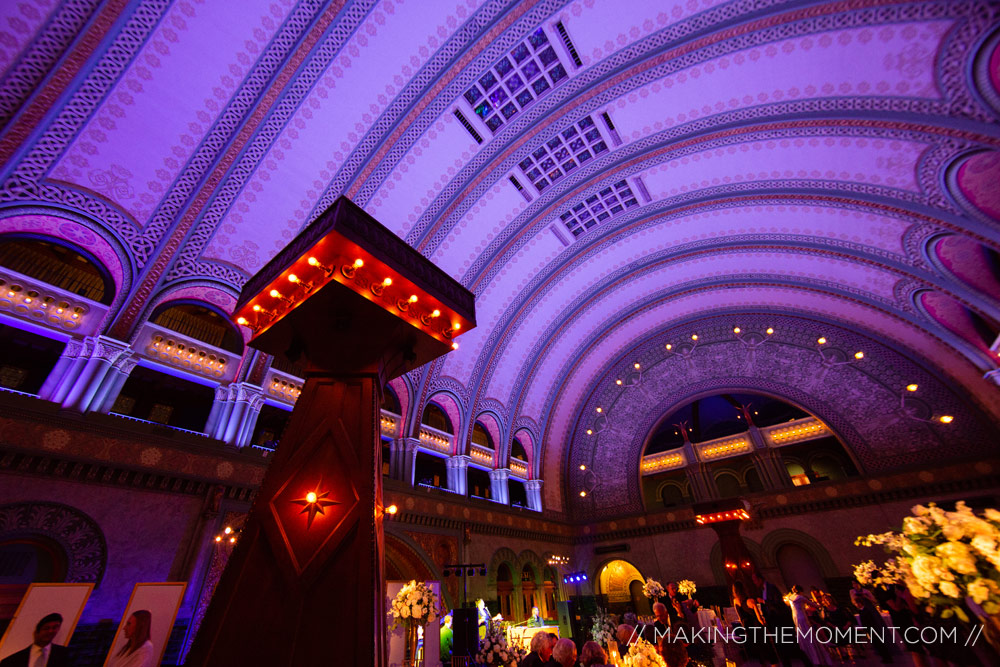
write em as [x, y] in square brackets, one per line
[481, 455]
[49, 306]
[724, 447]
[390, 424]
[519, 468]
[657, 463]
[282, 386]
[799, 430]
[188, 354]
[435, 439]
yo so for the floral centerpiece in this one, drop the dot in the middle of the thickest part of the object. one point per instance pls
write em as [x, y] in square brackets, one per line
[494, 650]
[942, 557]
[653, 589]
[687, 587]
[643, 654]
[605, 629]
[415, 605]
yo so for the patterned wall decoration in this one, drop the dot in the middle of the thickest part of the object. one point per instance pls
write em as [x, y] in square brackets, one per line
[79, 536]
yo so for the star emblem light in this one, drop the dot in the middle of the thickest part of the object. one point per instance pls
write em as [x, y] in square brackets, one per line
[314, 503]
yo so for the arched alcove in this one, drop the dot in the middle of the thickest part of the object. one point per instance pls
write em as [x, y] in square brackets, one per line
[201, 322]
[59, 264]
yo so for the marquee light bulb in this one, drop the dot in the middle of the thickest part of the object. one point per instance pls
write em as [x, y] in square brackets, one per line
[413, 298]
[358, 263]
[436, 313]
[256, 308]
[275, 293]
[313, 261]
[454, 346]
[391, 509]
[228, 530]
[242, 321]
[292, 278]
[386, 282]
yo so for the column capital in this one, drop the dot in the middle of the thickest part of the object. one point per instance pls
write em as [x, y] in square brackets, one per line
[458, 461]
[110, 349]
[533, 484]
[500, 473]
[406, 443]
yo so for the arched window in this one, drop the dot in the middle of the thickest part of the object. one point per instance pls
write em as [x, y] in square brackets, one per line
[671, 495]
[436, 418]
[481, 437]
[752, 479]
[797, 473]
[60, 266]
[517, 450]
[528, 589]
[390, 401]
[201, 323]
[826, 469]
[728, 485]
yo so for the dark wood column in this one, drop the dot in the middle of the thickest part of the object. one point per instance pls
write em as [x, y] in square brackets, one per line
[356, 306]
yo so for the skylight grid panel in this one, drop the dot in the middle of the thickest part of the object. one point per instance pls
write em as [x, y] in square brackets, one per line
[526, 72]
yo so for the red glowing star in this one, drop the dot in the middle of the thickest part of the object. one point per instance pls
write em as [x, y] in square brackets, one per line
[314, 503]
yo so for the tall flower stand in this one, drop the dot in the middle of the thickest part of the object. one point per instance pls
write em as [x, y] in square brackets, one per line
[399, 639]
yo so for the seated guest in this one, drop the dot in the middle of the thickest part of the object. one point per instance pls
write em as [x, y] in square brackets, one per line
[536, 619]
[592, 655]
[564, 653]
[541, 650]
[626, 635]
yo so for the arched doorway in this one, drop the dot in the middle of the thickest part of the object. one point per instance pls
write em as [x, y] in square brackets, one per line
[550, 589]
[799, 567]
[505, 589]
[528, 590]
[622, 583]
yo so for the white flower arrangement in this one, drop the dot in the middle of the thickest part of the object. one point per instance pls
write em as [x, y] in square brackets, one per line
[605, 628]
[653, 589]
[415, 602]
[493, 650]
[643, 654]
[941, 557]
[687, 587]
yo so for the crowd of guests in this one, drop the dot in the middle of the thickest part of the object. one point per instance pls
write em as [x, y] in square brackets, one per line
[760, 606]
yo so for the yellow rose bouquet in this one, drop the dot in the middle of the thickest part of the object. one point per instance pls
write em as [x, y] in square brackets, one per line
[941, 557]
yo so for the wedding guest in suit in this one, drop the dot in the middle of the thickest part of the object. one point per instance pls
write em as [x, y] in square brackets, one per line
[675, 602]
[541, 650]
[138, 650]
[42, 652]
[564, 653]
[536, 619]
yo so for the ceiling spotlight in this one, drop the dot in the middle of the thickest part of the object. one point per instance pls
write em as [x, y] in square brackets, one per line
[583, 466]
[821, 340]
[636, 364]
[736, 330]
[590, 432]
[770, 330]
[946, 419]
[583, 494]
[600, 410]
[669, 346]
[859, 355]
[618, 382]
[241, 321]
[694, 336]
[912, 387]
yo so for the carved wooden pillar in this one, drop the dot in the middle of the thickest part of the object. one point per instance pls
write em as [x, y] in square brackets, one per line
[356, 307]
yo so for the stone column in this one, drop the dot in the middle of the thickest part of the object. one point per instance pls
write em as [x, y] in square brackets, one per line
[773, 473]
[234, 413]
[533, 489]
[699, 476]
[112, 386]
[499, 488]
[458, 474]
[80, 380]
[403, 459]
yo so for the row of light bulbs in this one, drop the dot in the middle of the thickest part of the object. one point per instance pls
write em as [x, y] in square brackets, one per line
[377, 288]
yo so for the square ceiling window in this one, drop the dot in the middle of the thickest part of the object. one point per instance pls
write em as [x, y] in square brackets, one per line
[567, 149]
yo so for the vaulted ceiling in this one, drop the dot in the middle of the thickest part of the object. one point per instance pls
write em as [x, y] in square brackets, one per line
[608, 176]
